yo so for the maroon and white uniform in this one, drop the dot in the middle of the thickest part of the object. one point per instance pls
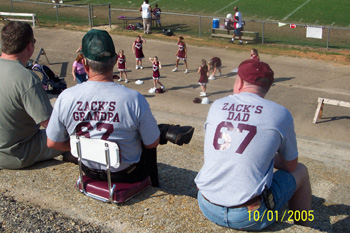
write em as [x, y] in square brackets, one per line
[255, 57]
[156, 73]
[216, 62]
[181, 52]
[138, 50]
[203, 79]
[121, 63]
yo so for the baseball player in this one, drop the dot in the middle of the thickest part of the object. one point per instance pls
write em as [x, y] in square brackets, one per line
[246, 137]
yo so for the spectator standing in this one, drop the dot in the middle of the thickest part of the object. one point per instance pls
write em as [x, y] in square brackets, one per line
[246, 137]
[146, 16]
[156, 12]
[181, 54]
[237, 25]
[24, 104]
[78, 70]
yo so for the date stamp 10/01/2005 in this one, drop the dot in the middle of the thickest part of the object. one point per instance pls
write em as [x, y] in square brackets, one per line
[276, 216]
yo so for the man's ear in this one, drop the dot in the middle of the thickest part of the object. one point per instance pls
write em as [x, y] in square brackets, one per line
[86, 66]
[239, 84]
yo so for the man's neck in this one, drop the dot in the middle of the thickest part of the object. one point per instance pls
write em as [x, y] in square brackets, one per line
[101, 77]
[254, 91]
[14, 57]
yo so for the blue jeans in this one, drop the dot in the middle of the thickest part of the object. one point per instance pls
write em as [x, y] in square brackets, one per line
[80, 78]
[283, 187]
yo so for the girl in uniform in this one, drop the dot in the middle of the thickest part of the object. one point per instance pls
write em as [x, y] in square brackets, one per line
[203, 79]
[254, 54]
[156, 74]
[121, 60]
[137, 50]
[181, 53]
[214, 64]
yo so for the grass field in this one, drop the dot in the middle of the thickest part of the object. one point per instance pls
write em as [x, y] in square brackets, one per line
[319, 12]
[301, 12]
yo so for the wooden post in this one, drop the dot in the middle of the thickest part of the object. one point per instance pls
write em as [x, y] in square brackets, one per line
[322, 101]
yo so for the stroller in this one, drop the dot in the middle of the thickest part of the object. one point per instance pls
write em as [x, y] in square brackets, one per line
[51, 82]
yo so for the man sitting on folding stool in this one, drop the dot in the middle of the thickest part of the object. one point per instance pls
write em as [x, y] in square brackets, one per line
[102, 109]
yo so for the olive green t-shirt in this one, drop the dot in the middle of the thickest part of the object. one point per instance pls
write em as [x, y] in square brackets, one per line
[23, 105]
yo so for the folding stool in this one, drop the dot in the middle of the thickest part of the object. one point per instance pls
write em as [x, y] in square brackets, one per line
[106, 191]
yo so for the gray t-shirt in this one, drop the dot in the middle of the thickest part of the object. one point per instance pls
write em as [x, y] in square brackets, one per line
[243, 132]
[23, 105]
[104, 110]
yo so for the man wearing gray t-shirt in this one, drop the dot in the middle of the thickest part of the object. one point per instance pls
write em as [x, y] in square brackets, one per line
[24, 104]
[103, 109]
[246, 137]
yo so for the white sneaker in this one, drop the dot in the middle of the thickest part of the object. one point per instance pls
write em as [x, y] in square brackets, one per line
[126, 81]
[119, 80]
[139, 82]
[61, 2]
[137, 67]
[174, 70]
[203, 94]
[141, 67]
[212, 77]
[186, 71]
[152, 90]
[241, 42]
[163, 88]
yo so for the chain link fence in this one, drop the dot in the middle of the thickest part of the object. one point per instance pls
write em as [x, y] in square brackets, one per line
[184, 24]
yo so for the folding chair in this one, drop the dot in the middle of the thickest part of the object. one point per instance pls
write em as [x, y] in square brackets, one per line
[106, 191]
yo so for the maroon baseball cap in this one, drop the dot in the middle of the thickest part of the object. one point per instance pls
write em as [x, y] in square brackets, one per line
[251, 70]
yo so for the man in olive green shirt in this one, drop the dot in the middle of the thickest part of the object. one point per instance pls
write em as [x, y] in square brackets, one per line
[24, 104]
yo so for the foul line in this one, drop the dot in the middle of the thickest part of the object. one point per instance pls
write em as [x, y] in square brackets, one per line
[296, 10]
[226, 6]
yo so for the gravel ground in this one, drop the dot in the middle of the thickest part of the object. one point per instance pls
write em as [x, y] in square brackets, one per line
[23, 217]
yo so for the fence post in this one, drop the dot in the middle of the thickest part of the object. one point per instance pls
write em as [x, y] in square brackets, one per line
[263, 32]
[56, 12]
[110, 17]
[92, 15]
[328, 38]
[89, 15]
[13, 10]
[200, 26]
